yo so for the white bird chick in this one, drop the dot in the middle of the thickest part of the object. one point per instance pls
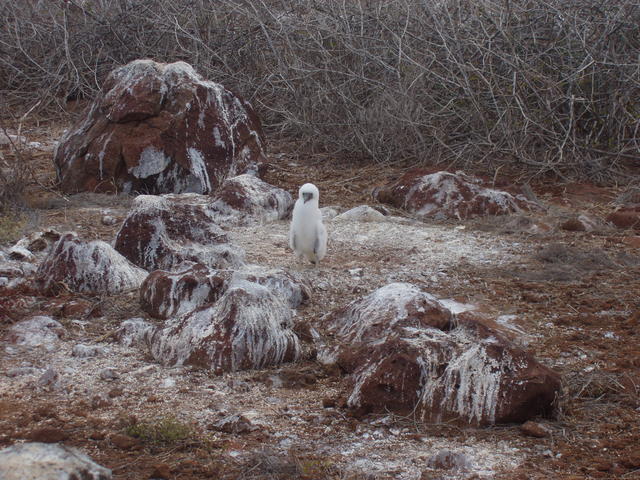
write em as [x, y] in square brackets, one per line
[307, 235]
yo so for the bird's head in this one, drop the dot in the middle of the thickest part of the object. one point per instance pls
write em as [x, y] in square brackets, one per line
[309, 191]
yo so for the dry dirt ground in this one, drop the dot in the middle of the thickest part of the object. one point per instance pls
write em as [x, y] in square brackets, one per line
[573, 298]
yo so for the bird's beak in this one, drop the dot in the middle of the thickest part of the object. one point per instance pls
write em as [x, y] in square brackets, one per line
[306, 196]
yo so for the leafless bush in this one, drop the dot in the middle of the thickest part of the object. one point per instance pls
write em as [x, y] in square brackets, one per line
[550, 86]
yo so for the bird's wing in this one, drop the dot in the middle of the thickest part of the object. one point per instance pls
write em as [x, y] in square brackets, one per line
[320, 243]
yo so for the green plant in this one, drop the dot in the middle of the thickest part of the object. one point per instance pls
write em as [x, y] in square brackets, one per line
[163, 431]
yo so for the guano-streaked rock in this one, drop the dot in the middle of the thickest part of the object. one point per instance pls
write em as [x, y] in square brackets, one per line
[248, 327]
[405, 352]
[91, 267]
[445, 195]
[160, 128]
[161, 232]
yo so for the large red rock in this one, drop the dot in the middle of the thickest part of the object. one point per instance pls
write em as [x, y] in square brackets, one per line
[168, 294]
[163, 231]
[246, 198]
[248, 327]
[406, 353]
[159, 128]
[91, 267]
[444, 195]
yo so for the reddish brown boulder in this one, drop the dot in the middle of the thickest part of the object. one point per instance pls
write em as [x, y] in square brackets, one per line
[405, 352]
[161, 232]
[445, 195]
[166, 294]
[246, 198]
[248, 327]
[87, 267]
[159, 128]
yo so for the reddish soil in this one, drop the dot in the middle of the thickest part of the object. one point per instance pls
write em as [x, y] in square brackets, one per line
[576, 294]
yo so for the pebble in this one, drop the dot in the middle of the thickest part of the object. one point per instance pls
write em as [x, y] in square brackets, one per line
[533, 429]
[108, 374]
[87, 351]
[49, 377]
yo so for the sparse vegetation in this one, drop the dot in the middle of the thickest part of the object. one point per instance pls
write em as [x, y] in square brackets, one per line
[544, 87]
[163, 431]
[11, 226]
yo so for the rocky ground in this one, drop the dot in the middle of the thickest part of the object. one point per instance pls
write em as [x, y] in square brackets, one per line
[568, 294]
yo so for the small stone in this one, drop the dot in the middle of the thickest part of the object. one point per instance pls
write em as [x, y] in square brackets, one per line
[625, 219]
[88, 351]
[79, 309]
[115, 392]
[573, 225]
[97, 435]
[631, 460]
[48, 435]
[99, 402]
[161, 471]
[533, 429]
[633, 242]
[448, 460]
[49, 377]
[108, 220]
[108, 374]
[125, 442]
[234, 424]
[329, 402]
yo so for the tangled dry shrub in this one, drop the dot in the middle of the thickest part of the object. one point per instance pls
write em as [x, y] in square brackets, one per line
[549, 86]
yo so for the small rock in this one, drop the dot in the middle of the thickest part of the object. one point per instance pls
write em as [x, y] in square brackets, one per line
[49, 377]
[448, 460]
[624, 219]
[99, 401]
[79, 309]
[134, 331]
[88, 351]
[363, 213]
[329, 402]
[234, 424]
[125, 442]
[36, 331]
[161, 471]
[534, 429]
[108, 374]
[115, 392]
[573, 225]
[97, 435]
[633, 242]
[108, 220]
[632, 459]
[329, 212]
[48, 435]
